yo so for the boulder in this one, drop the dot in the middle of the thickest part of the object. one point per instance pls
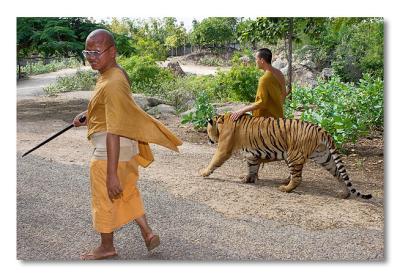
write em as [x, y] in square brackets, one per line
[146, 102]
[154, 101]
[326, 73]
[141, 100]
[308, 64]
[192, 110]
[304, 77]
[228, 107]
[176, 68]
[280, 64]
[162, 109]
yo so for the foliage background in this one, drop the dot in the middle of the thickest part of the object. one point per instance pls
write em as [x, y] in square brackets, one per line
[349, 105]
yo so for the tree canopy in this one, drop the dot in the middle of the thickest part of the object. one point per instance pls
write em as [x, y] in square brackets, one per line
[53, 36]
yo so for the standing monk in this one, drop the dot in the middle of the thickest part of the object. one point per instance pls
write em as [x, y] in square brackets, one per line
[271, 94]
[120, 132]
[271, 91]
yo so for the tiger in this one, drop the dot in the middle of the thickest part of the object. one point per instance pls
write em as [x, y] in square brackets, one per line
[266, 139]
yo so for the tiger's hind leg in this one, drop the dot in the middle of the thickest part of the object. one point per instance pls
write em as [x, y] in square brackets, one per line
[295, 163]
[324, 158]
[253, 165]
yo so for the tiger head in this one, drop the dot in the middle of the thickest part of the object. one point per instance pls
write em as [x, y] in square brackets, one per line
[214, 128]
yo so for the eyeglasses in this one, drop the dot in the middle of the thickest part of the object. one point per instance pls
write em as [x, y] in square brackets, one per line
[96, 54]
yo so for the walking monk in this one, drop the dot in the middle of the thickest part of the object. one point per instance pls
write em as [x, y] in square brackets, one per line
[271, 91]
[120, 132]
[271, 94]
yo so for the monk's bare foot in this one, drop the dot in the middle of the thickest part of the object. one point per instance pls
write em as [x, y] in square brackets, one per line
[99, 253]
[152, 241]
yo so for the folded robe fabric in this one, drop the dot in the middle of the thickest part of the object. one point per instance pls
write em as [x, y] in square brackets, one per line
[112, 109]
[109, 215]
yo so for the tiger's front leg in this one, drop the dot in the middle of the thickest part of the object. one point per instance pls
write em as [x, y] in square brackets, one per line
[295, 163]
[295, 179]
[253, 165]
[218, 159]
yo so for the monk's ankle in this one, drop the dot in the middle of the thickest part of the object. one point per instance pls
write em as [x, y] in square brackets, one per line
[107, 248]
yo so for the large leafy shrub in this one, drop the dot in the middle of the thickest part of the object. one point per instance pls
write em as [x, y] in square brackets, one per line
[238, 84]
[203, 111]
[182, 91]
[360, 51]
[145, 75]
[151, 48]
[347, 111]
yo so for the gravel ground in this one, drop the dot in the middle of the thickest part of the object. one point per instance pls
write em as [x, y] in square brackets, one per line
[54, 223]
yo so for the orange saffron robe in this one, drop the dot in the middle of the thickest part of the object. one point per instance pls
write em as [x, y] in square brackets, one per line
[113, 110]
[268, 98]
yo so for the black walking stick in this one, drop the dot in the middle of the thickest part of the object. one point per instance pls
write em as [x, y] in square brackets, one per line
[81, 120]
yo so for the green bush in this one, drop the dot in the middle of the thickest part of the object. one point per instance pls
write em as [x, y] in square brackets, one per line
[40, 67]
[145, 75]
[182, 91]
[82, 80]
[246, 52]
[204, 111]
[151, 48]
[345, 110]
[360, 51]
[237, 84]
[211, 61]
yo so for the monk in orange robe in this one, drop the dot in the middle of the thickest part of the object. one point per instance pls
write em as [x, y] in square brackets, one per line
[271, 91]
[120, 132]
[271, 94]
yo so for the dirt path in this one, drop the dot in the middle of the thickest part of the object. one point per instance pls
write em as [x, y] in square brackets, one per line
[196, 69]
[313, 223]
[33, 87]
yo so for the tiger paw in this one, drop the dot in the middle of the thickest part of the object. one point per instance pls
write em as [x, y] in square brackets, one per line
[249, 179]
[205, 172]
[345, 195]
[284, 188]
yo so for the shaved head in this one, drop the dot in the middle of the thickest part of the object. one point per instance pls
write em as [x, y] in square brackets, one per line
[101, 41]
[101, 36]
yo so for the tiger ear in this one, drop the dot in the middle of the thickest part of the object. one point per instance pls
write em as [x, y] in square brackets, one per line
[220, 119]
[210, 121]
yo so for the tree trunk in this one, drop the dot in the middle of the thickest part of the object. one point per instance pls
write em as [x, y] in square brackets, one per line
[290, 42]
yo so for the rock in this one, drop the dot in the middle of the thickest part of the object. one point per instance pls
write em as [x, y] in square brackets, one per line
[304, 77]
[228, 107]
[146, 102]
[141, 100]
[285, 70]
[162, 109]
[192, 110]
[245, 60]
[220, 108]
[308, 64]
[176, 68]
[154, 101]
[326, 73]
[280, 64]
